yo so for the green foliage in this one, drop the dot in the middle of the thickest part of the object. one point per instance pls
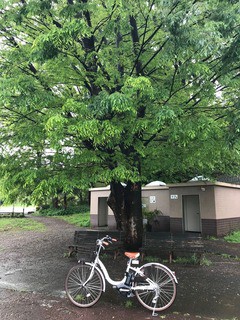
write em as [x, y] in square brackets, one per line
[92, 94]
[205, 261]
[150, 214]
[151, 259]
[81, 209]
[234, 237]
[128, 304]
[193, 260]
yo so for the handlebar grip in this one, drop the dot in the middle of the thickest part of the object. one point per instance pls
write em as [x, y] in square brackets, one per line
[105, 243]
[113, 239]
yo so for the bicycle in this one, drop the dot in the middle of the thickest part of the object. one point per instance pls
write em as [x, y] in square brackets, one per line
[153, 283]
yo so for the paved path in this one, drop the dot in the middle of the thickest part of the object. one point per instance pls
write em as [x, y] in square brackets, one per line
[33, 269]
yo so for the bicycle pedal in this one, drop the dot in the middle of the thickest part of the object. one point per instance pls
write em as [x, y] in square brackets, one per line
[130, 295]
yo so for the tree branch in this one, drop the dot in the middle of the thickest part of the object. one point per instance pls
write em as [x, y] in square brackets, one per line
[135, 40]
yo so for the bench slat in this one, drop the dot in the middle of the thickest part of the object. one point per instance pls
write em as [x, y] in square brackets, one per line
[157, 242]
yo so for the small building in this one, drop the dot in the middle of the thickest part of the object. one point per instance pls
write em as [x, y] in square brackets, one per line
[209, 208]
[205, 207]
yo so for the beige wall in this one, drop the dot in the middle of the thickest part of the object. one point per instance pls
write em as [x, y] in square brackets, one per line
[206, 199]
[227, 200]
[95, 194]
[161, 195]
[216, 200]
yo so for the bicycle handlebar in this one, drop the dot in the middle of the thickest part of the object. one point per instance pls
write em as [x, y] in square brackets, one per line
[105, 240]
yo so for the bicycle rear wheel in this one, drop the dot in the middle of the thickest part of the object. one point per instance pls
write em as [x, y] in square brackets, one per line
[90, 293]
[166, 284]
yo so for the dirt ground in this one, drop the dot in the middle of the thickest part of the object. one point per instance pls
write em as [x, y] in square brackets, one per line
[33, 267]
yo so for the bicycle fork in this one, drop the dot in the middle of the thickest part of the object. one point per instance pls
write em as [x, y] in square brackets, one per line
[93, 267]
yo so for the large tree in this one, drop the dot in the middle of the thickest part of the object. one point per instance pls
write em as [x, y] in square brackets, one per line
[117, 92]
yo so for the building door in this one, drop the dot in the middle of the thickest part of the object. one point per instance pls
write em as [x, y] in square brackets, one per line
[102, 212]
[191, 213]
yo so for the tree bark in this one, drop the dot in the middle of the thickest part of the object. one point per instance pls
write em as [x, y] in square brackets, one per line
[126, 204]
[55, 202]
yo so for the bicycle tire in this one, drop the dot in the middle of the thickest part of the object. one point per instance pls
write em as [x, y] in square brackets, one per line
[166, 283]
[88, 295]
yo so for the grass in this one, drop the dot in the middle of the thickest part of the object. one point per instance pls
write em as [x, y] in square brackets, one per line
[20, 224]
[234, 237]
[78, 215]
[193, 260]
[128, 304]
[205, 262]
[151, 259]
[77, 219]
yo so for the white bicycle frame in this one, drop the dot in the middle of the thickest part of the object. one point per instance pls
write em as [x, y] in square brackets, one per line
[99, 266]
[151, 286]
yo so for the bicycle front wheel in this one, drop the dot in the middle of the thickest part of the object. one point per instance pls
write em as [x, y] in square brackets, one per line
[167, 288]
[80, 294]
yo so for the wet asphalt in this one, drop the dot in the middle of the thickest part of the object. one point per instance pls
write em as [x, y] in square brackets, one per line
[34, 265]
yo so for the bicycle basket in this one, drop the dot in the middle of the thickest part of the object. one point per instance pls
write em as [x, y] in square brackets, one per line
[85, 253]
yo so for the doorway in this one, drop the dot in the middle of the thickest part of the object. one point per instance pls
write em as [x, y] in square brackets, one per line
[102, 212]
[191, 213]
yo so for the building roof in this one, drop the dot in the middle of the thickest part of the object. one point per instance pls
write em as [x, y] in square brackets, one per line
[155, 184]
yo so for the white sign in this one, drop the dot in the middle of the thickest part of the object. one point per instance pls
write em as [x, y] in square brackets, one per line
[152, 199]
[173, 196]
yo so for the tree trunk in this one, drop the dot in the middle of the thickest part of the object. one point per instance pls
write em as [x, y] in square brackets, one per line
[65, 201]
[55, 202]
[126, 204]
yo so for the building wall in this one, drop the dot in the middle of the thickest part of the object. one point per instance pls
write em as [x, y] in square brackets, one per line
[97, 193]
[155, 198]
[206, 199]
[160, 202]
[219, 205]
[227, 201]
[220, 227]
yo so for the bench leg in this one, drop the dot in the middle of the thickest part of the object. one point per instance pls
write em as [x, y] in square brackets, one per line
[170, 257]
[71, 251]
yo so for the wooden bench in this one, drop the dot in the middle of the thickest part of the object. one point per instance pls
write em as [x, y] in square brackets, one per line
[170, 246]
[84, 243]
[162, 244]
[187, 244]
[157, 244]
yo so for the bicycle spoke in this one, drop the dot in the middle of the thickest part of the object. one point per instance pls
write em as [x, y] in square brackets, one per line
[162, 298]
[87, 295]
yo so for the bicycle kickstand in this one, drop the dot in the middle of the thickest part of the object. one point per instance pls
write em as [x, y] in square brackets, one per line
[154, 314]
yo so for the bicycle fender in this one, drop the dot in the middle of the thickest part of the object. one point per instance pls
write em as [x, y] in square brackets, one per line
[101, 274]
[162, 266]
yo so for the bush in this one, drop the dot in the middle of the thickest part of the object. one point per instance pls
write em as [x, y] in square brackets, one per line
[233, 237]
[50, 212]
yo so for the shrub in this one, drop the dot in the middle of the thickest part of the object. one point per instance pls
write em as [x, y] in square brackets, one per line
[233, 237]
[50, 212]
